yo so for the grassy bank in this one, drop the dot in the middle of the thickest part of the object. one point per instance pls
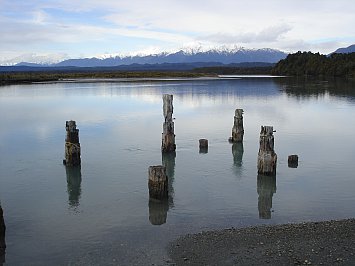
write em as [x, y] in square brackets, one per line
[29, 77]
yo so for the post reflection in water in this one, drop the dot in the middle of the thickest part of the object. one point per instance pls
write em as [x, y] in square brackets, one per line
[2, 237]
[203, 150]
[168, 160]
[266, 187]
[73, 185]
[158, 209]
[238, 151]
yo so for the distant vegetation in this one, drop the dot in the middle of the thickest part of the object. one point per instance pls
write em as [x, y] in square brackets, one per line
[310, 64]
[298, 64]
[43, 76]
[220, 70]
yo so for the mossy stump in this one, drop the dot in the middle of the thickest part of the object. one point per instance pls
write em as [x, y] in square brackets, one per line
[72, 145]
[158, 182]
[267, 157]
[238, 127]
[203, 145]
[293, 161]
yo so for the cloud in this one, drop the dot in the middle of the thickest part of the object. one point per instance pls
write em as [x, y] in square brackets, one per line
[270, 34]
[92, 27]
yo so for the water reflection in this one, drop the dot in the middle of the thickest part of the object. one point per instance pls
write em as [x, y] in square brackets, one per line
[168, 160]
[203, 150]
[302, 88]
[238, 151]
[158, 209]
[73, 185]
[266, 187]
[2, 237]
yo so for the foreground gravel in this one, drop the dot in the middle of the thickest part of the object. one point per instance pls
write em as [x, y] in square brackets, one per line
[316, 243]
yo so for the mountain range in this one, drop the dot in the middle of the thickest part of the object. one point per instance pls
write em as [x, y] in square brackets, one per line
[347, 50]
[217, 56]
[184, 58]
[221, 56]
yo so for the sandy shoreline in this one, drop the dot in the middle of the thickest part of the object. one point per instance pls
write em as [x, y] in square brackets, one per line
[315, 243]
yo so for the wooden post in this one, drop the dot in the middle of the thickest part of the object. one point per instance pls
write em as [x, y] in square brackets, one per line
[168, 136]
[267, 157]
[73, 185]
[238, 128]
[158, 182]
[158, 211]
[266, 187]
[2, 237]
[293, 161]
[203, 145]
[72, 145]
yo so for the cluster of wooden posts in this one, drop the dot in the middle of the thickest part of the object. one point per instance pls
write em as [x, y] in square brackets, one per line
[157, 177]
[267, 158]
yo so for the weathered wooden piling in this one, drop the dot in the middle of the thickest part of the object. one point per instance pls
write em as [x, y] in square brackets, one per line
[203, 145]
[293, 161]
[158, 182]
[266, 187]
[267, 157]
[238, 127]
[158, 211]
[72, 145]
[2, 237]
[168, 136]
[73, 185]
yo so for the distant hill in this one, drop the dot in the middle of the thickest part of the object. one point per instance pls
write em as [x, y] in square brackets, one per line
[347, 50]
[221, 56]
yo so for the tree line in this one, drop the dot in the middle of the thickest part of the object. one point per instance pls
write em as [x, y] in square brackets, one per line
[297, 64]
[315, 64]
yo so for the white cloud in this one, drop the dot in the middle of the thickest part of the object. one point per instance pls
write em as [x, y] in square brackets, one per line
[38, 25]
[270, 34]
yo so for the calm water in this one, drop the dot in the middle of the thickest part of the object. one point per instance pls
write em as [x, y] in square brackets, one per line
[101, 214]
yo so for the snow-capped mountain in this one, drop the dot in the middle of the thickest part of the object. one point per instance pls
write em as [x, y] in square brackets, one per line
[192, 54]
[34, 59]
[222, 55]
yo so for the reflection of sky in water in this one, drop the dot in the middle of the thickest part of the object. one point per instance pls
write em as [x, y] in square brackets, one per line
[106, 203]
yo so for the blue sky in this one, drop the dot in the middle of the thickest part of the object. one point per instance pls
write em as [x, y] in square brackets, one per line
[57, 29]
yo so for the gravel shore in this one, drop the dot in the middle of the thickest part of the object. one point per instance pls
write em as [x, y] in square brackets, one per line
[315, 243]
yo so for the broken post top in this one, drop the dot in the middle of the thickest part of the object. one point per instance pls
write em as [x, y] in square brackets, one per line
[157, 173]
[266, 131]
[72, 132]
[168, 106]
[239, 113]
[267, 139]
[71, 126]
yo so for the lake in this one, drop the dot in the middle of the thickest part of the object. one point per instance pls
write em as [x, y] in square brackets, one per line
[101, 213]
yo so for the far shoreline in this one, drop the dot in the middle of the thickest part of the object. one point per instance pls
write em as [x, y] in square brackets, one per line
[52, 78]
